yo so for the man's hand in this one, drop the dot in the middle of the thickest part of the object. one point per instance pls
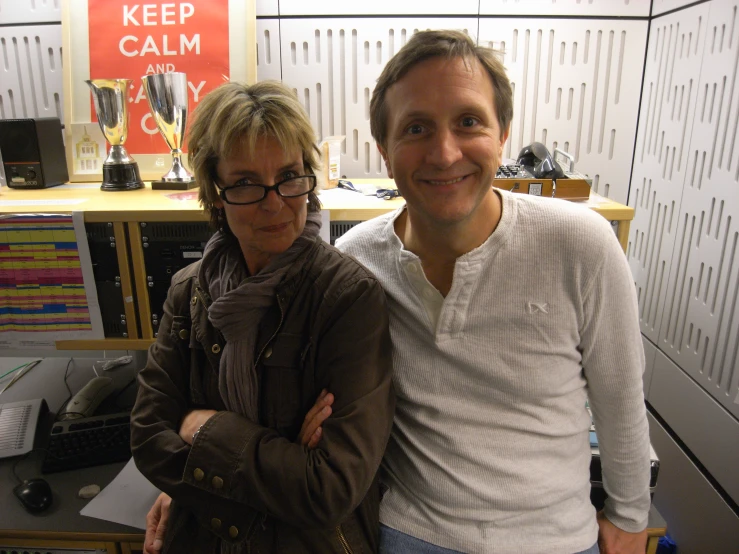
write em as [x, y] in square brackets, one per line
[192, 422]
[612, 540]
[156, 524]
[311, 431]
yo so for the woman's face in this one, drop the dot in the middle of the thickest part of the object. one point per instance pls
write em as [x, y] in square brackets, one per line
[270, 226]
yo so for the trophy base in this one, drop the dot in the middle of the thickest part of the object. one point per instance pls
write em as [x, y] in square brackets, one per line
[173, 185]
[123, 176]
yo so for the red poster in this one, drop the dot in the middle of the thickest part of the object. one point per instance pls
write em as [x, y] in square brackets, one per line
[130, 40]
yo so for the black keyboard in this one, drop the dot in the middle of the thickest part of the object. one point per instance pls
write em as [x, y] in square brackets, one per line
[89, 441]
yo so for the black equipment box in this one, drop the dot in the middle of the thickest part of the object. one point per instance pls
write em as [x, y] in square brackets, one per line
[33, 152]
[168, 247]
[104, 255]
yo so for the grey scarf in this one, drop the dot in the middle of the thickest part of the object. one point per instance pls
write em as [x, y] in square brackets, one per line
[240, 301]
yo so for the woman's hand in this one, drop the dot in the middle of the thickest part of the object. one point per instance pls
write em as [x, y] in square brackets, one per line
[156, 524]
[311, 431]
[192, 421]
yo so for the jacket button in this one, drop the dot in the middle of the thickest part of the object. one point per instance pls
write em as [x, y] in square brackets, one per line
[184, 334]
[215, 523]
[268, 352]
[194, 300]
[198, 474]
[217, 482]
[216, 348]
[233, 532]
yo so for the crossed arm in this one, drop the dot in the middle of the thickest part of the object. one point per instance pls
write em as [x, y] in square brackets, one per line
[309, 436]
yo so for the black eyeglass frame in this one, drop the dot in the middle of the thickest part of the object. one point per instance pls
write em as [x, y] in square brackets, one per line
[222, 192]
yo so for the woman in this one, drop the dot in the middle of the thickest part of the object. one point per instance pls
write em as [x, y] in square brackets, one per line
[251, 335]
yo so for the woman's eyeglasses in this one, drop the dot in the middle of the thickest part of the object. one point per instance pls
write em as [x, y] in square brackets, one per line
[241, 194]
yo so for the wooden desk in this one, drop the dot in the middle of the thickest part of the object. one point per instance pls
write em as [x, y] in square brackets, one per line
[656, 528]
[156, 205]
[127, 211]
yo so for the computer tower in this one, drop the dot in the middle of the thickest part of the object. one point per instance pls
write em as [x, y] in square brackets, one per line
[33, 154]
[103, 253]
[168, 247]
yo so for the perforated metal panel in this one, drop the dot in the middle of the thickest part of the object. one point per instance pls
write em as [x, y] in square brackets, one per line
[684, 244]
[384, 7]
[24, 12]
[665, 124]
[576, 87]
[31, 71]
[566, 7]
[333, 65]
[268, 7]
[662, 6]
[268, 49]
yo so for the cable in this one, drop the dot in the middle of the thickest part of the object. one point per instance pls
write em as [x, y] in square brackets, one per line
[25, 369]
[14, 369]
[66, 372]
[25, 456]
[15, 465]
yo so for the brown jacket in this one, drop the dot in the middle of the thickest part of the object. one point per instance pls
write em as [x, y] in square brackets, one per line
[246, 482]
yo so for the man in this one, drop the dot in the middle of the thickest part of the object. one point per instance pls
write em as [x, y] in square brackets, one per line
[506, 313]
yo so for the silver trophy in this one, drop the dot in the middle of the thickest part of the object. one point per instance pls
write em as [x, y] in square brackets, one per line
[167, 96]
[120, 171]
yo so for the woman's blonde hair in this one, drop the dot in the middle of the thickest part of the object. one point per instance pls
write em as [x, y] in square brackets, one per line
[235, 114]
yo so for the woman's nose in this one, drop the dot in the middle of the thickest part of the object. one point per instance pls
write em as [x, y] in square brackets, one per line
[273, 202]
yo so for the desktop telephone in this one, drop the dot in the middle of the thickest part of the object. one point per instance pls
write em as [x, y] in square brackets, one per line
[86, 401]
[538, 173]
[539, 162]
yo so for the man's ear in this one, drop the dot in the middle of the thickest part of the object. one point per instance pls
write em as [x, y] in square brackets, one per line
[503, 140]
[389, 169]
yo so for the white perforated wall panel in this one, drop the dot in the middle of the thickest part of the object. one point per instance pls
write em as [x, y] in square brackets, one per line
[684, 245]
[268, 7]
[268, 49]
[638, 8]
[24, 12]
[576, 87]
[665, 124]
[662, 6]
[384, 7]
[333, 65]
[31, 71]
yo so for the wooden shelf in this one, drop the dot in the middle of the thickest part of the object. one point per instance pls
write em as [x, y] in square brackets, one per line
[105, 344]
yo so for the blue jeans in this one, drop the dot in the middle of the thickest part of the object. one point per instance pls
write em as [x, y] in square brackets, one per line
[395, 542]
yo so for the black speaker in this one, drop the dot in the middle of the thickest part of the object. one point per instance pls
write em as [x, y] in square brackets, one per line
[33, 152]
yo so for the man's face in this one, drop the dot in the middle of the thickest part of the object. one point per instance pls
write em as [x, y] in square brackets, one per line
[444, 143]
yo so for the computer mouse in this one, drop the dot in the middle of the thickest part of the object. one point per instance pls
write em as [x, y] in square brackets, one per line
[34, 494]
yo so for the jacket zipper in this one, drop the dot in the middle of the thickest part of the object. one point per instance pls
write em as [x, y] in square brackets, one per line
[343, 541]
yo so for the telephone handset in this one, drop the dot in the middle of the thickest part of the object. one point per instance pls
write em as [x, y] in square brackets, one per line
[536, 159]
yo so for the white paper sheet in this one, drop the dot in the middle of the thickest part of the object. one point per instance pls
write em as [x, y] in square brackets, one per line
[83, 249]
[325, 232]
[126, 500]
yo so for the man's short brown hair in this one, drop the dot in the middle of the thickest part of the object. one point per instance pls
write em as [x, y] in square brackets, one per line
[432, 44]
